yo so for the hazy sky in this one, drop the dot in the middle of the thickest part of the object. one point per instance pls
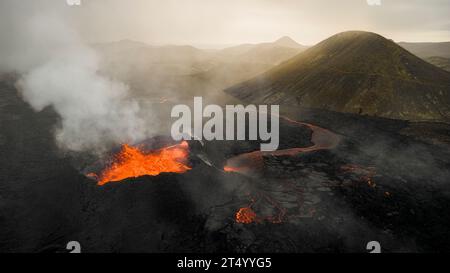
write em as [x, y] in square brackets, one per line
[202, 22]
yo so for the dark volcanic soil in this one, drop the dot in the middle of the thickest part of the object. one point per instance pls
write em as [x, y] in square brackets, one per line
[387, 181]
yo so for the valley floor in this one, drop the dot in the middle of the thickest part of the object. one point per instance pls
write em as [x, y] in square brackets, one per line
[387, 181]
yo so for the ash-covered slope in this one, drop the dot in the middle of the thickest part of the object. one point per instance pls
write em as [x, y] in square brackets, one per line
[356, 72]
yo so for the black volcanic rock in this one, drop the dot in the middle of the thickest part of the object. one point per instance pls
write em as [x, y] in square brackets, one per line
[355, 72]
[45, 201]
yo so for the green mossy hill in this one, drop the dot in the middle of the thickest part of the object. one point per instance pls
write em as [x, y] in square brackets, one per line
[355, 72]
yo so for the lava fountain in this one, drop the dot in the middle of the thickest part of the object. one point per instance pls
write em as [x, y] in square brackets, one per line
[132, 162]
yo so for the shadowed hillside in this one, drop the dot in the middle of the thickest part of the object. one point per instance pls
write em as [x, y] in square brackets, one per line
[443, 63]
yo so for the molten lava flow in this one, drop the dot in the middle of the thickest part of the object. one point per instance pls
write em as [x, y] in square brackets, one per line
[229, 169]
[132, 162]
[246, 216]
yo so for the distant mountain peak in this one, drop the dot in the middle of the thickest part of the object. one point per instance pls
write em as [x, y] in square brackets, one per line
[287, 41]
[130, 42]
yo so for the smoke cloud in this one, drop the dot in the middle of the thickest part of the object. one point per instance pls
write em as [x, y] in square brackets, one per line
[61, 71]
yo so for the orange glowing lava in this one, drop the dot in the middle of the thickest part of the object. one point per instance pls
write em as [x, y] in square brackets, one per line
[246, 216]
[230, 169]
[133, 162]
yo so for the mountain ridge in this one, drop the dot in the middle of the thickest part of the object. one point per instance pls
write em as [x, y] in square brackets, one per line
[427, 50]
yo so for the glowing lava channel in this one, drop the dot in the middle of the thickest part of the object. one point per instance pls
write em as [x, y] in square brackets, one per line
[248, 163]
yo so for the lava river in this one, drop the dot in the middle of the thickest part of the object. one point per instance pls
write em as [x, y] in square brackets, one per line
[248, 163]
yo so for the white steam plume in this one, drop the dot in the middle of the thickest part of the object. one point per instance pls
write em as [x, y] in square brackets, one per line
[61, 71]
